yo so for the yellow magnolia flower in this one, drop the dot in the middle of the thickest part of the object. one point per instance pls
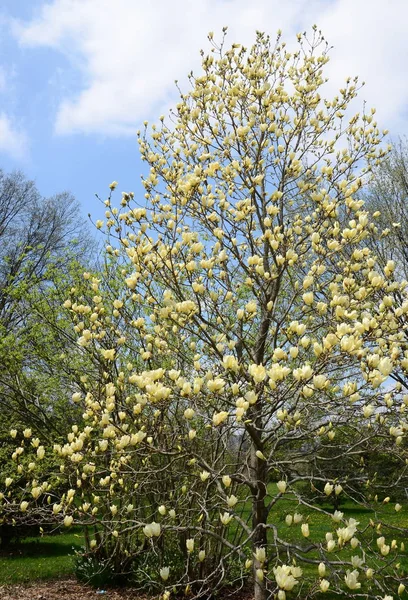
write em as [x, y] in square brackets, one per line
[257, 372]
[219, 418]
[108, 354]
[305, 529]
[351, 578]
[68, 520]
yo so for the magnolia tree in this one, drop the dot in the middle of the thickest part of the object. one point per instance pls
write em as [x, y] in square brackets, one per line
[249, 341]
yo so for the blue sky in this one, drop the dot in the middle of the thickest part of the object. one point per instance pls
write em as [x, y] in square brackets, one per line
[78, 77]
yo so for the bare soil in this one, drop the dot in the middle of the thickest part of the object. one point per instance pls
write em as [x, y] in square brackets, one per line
[67, 589]
[70, 589]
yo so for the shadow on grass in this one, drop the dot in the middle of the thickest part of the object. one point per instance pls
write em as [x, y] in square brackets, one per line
[40, 548]
[357, 510]
[348, 509]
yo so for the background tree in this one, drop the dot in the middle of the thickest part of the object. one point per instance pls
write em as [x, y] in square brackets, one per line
[42, 242]
[388, 194]
[34, 232]
[43, 252]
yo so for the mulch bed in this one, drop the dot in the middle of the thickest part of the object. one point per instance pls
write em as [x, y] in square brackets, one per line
[70, 589]
[67, 589]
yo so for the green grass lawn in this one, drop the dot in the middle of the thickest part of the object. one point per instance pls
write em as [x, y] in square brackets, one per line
[320, 523]
[51, 556]
[47, 557]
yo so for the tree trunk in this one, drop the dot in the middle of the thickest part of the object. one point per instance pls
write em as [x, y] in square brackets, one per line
[259, 516]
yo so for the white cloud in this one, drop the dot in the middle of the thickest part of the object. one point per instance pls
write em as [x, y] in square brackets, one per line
[370, 40]
[13, 141]
[130, 51]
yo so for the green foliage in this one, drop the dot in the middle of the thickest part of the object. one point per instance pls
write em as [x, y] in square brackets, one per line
[94, 571]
